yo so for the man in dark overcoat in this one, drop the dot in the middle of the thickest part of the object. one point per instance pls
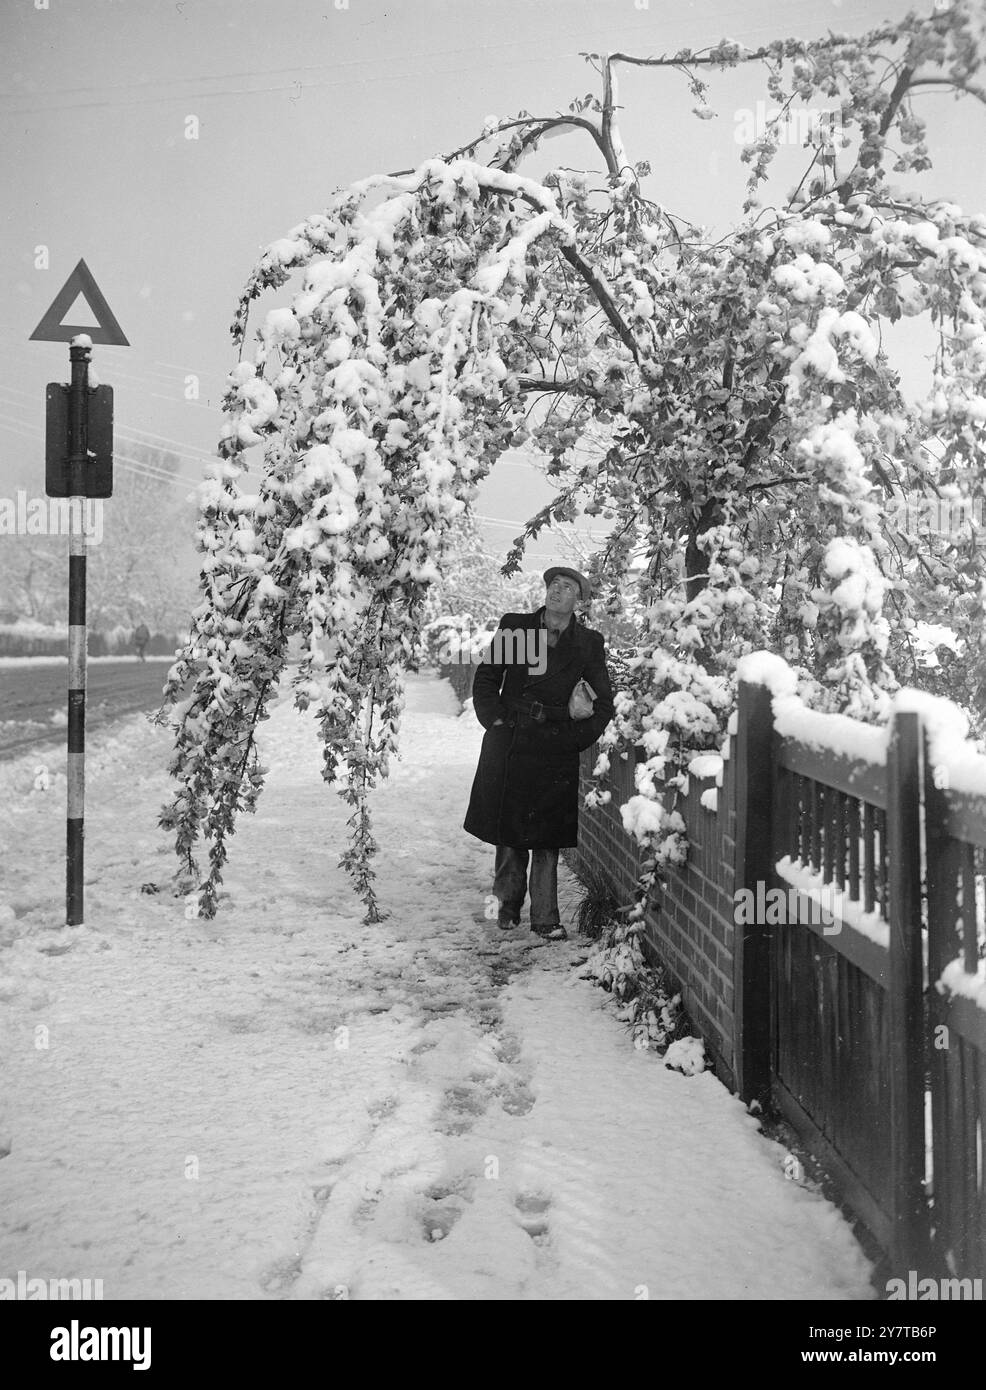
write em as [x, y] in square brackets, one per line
[525, 795]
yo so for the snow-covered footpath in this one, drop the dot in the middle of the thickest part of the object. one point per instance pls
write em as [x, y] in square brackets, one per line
[285, 1103]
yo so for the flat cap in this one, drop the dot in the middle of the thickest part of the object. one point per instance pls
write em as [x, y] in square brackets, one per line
[585, 588]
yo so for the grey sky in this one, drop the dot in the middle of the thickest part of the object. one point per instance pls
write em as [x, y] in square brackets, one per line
[292, 99]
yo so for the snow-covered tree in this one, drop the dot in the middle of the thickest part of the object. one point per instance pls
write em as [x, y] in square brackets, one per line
[756, 438]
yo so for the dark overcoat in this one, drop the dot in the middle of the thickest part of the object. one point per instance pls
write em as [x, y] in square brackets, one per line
[526, 790]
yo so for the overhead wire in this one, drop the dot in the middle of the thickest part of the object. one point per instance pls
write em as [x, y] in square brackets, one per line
[141, 436]
[24, 430]
[148, 463]
[428, 72]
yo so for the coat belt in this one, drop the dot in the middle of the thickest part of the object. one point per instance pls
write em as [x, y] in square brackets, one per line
[537, 711]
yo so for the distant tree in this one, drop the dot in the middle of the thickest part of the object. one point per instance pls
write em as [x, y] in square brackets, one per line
[472, 581]
[758, 438]
[32, 584]
[144, 570]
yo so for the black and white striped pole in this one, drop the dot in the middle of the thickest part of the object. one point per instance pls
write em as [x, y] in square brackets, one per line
[80, 353]
[79, 466]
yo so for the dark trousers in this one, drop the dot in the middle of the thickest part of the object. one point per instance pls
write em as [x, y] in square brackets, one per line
[510, 884]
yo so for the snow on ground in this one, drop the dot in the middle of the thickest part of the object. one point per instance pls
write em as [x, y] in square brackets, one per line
[285, 1103]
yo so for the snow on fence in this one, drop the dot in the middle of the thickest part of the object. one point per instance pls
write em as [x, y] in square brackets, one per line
[832, 964]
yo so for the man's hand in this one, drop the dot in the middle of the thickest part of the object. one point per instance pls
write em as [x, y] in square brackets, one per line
[496, 722]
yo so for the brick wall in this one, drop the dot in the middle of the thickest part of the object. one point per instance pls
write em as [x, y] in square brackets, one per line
[689, 929]
[460, 678]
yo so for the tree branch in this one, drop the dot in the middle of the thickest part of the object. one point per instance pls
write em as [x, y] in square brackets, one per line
[604, 299]
[606, 127]
[544, 124]
[573, 384]
[798, 48]
[779, 482]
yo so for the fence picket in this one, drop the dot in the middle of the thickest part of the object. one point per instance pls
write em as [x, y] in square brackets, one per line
[829, 796]
[970, 944]
[817, 818]
[854, 834]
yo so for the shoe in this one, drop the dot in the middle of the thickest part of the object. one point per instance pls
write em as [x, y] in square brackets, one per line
[551, 931]
[507, 923]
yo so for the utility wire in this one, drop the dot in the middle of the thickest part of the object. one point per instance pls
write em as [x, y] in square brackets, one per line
[159, 475]
[427, 73]
[142, 435]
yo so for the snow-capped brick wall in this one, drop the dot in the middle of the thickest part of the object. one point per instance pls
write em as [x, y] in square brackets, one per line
[691, 931]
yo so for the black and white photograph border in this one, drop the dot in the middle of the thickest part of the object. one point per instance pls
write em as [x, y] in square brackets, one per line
[493, 661]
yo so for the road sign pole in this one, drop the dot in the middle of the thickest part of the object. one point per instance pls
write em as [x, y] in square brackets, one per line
[80, 422]
[77, 460]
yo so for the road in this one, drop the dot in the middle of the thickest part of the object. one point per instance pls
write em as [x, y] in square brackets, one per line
[31, 694]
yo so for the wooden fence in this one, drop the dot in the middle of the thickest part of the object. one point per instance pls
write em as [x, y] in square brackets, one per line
[837, 1016]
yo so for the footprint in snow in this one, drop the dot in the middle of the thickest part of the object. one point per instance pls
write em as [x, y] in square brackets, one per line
[516, 1097]
[280, 1274]
[532, 1213]
[461, 1106]
[507, 1049]
[381, 1109]
[462, 1186]
[440, 1217]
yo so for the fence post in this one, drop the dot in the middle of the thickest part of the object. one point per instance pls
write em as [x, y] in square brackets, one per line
[909, 1248]
[753, 754]
[944, 944]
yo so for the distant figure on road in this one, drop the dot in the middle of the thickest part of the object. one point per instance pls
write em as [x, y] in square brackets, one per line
[141, 639]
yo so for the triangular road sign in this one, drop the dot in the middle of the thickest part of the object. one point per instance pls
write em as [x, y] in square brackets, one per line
[52, 330]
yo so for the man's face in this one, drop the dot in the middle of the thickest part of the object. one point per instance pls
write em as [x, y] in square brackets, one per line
[562, 594]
